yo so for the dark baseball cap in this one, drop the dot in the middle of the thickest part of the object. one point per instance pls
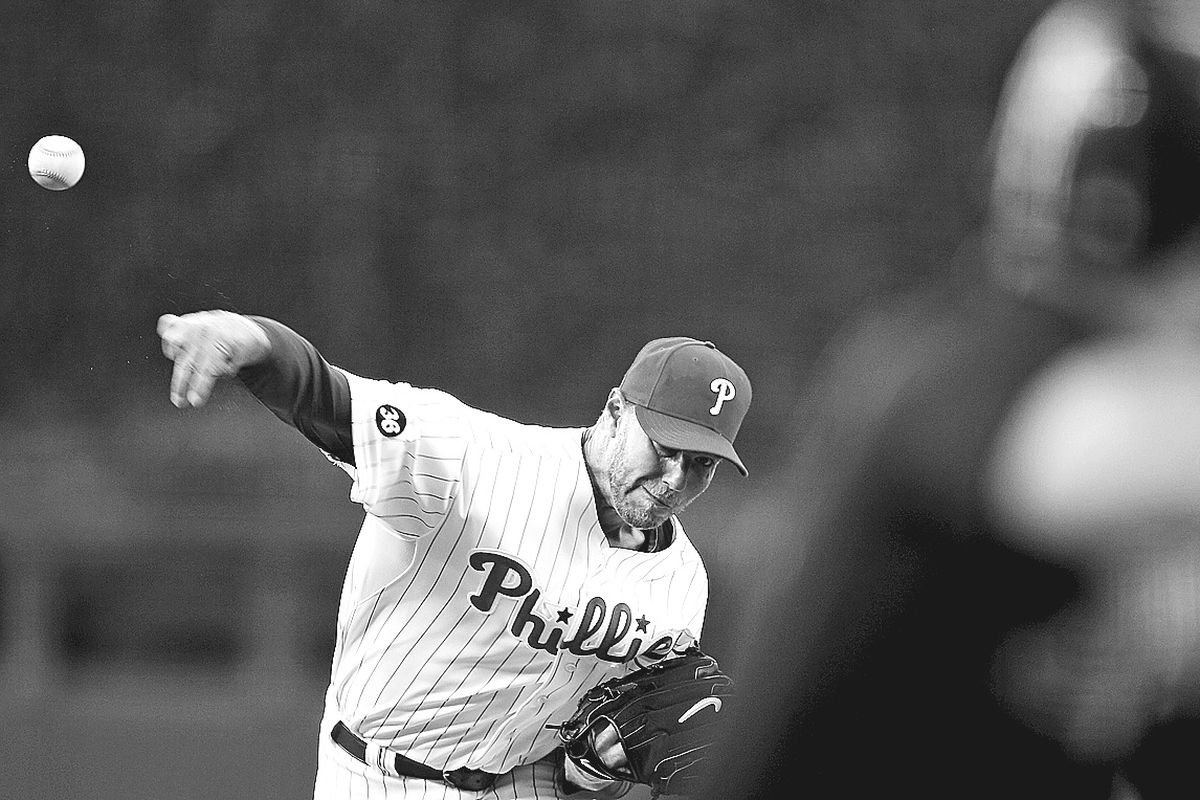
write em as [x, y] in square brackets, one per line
[688, 395]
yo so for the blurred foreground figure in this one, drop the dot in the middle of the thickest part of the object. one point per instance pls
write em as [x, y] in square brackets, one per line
[980, 575]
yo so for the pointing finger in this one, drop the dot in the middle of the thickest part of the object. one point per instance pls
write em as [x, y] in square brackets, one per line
[201, 388]
[181, 378]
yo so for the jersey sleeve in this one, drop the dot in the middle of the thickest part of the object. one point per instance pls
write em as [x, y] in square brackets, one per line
[301, 388]
[409, 444]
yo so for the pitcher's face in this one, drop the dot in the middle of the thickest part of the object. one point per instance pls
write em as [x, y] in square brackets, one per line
[648, 482]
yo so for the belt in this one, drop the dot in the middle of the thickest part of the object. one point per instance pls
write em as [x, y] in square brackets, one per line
[462, 778]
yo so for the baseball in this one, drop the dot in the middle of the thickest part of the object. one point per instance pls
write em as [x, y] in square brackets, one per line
[56, 162]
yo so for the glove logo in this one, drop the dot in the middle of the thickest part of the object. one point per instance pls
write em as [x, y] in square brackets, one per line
[709, 702]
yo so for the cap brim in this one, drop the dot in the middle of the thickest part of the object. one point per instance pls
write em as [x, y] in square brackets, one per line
[683, 435]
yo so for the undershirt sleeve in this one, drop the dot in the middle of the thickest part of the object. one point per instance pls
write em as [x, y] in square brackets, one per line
[301, 388]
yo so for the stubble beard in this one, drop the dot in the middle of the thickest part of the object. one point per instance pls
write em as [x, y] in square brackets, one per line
[629, 498]
[625, 498]
[634, 506]
[642, 519]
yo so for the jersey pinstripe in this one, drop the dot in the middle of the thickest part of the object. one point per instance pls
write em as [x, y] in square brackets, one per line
[482, 597]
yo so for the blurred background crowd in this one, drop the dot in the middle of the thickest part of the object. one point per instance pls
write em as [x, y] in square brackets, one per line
[503, 200]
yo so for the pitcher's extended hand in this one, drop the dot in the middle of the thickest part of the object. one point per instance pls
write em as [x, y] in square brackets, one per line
[205, 346]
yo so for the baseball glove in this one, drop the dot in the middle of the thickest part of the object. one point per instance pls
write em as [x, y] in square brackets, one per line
[652, 726]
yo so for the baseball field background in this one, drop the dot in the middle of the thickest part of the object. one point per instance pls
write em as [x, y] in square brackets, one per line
[503, 200]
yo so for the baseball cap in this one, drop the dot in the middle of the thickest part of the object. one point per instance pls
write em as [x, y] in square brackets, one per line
[688, 395]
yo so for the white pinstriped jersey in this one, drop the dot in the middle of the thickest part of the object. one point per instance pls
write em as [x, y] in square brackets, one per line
[482, 597]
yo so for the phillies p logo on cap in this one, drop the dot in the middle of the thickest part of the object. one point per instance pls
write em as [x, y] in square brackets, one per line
[725, 391]
[688, 395]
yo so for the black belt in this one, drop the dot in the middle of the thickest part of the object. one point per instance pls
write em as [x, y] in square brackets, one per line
[462, 778]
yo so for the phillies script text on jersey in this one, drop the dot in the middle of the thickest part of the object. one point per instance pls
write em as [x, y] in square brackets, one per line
[500, 568]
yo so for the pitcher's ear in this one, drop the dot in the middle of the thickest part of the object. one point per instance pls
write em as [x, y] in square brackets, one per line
[616, 403]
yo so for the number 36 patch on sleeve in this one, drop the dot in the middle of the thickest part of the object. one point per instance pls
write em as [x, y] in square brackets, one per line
[390, 420]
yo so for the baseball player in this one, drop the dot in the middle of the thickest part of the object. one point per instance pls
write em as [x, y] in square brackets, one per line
[501, 569]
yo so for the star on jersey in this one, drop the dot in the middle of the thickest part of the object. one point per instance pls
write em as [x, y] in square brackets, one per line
[602, 632]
